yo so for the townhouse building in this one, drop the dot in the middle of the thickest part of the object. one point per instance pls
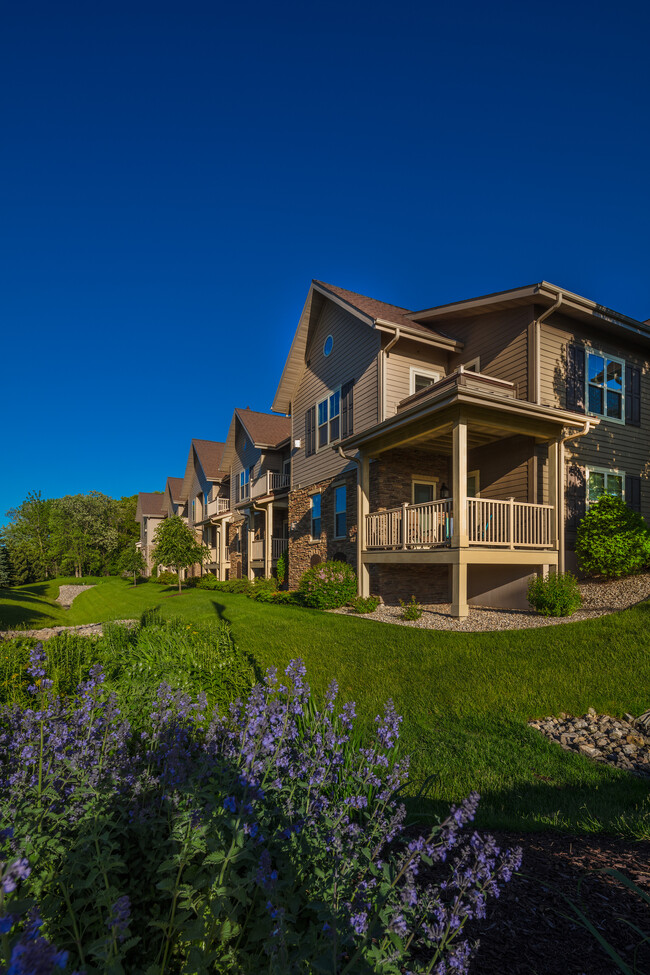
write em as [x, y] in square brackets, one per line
[175, 503]
[204, 479]
[450, 452]
[149, 512]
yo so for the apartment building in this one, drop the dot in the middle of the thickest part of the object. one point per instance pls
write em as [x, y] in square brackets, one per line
[450, 452]
[149, 512]
[204, 479]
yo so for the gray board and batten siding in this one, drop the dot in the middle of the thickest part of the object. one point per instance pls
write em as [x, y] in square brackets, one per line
[354, 354]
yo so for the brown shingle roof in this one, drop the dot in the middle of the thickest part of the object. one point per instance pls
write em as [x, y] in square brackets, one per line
[152, 505]
[377, 309]
[175, 485]
[209, 453]
[265, 429]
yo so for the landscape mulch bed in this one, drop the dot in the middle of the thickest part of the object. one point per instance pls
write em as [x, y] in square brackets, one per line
[529, 930]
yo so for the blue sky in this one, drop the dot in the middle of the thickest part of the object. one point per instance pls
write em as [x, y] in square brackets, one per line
[172, 176]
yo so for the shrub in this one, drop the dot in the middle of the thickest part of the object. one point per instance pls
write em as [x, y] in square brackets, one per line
[365, 604]
[263, 590]
[281, 568]
[328, 585]
[612, 540]
[166, 578]
[210, 582]
[411, 610]
[192, 846]
[287, 598]
[556, 595]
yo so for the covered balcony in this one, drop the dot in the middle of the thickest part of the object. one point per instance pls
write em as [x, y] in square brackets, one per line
[467, 477]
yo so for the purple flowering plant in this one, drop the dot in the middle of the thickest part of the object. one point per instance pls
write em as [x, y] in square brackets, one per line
[268, 835]
[328, 585]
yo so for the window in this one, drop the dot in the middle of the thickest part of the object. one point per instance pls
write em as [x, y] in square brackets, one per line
[244, 480]
[424, 489]
[315, 515]
[605, 386]
[328, 346]
[421, 378]
[340, 514]
[601, 481]
[329, 419]
[473, 484]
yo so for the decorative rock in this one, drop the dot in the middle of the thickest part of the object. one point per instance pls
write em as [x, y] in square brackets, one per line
[620, 743]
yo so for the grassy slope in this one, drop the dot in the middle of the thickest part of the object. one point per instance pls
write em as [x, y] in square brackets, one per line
[465, 698]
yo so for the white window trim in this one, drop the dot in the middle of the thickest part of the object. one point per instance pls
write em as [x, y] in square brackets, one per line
[603, 470]
[613, 358]
[345, 510]
[313, 495]
[417, 371]
[424, 480]
[326, 399]
[475, 363]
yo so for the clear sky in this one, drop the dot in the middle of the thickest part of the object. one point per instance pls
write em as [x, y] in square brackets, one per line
[172, 176]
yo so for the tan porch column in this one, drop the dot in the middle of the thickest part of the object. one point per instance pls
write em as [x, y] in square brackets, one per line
[250, 531]
[363, 508]
[553, 449]
[268, 541]
[459, 538]
[561, 513]
[222, 550]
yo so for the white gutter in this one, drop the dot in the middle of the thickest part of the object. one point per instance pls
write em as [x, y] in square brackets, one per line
[538, 340]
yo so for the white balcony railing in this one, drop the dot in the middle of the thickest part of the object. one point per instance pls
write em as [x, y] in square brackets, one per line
[269, 483]
[505, 524]
[509, 524]
[410, 526]
[218, 506]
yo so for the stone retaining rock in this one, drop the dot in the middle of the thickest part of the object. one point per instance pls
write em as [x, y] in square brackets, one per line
[67, 594]
[622, 742]
[85, 629]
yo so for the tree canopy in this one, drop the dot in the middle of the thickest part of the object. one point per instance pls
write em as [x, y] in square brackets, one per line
[176, 546]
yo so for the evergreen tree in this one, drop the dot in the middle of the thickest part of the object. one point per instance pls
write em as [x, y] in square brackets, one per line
[5, 568]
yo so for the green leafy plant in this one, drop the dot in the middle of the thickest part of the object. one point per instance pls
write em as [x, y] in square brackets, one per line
[612, 540]
[328, 585]
[282, 566]
[556, 595]
[212, 584]
[132, 561]
[175, 545]
[263, 590]
[365, 604]
[411, 610]
[166, 578]
[288, 597]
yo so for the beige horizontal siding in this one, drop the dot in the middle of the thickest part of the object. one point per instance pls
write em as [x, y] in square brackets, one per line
[500, 340]
[398, 366]
[503, 468]
[245, 456]
[353, 356]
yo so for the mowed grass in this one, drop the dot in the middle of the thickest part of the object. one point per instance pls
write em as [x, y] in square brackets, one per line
[465, 698]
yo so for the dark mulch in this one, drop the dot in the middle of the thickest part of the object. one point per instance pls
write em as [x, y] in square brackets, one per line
[525, 932]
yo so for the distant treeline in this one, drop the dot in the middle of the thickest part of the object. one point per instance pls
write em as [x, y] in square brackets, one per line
[80, 534]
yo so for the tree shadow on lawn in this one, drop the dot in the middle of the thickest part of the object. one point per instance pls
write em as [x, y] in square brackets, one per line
[18, 614]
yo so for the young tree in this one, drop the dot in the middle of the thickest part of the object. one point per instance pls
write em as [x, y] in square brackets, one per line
[175, 545]
[132, 560]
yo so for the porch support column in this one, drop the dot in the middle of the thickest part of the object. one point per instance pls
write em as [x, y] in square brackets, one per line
[363, 508]
[268, 541]
[250, 531]
[553, 449]
[561, 564]
[459, 540]
[222, 549]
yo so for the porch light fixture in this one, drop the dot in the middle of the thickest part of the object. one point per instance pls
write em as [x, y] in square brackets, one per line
[444, 491]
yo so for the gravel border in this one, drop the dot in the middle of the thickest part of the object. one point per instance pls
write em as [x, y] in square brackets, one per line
[68, 594]
[600, 597]
[84, 629]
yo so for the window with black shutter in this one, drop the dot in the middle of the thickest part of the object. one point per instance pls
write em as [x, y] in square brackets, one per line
[575, 378]
[347, 409]
[632, 395]
[310, 430]
[633, 492]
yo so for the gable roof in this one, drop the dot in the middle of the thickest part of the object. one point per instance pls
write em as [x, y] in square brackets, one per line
[150, 505]
[377, 314]
[209, 455]
[265, 429]
[175, 487]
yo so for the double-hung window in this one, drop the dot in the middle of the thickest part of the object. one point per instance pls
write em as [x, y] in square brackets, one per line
[244, 481]
[329, 419]
[315, 515]
[605, 386]
[601, 481]
[422, 378]
[340, 512]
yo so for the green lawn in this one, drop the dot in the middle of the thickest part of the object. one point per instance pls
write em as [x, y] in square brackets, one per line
[465, 698]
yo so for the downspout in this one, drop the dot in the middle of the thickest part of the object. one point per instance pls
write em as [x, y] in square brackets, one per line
[382, 386]
[559, 491]
[538, 338]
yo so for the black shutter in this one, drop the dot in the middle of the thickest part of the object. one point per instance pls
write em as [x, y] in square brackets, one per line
[633, 492]
[575, 378]
[576, 502]
[310, 426]
[347, 409]
[632, 395]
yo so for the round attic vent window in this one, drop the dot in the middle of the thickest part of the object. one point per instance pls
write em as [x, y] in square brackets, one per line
[329, 344]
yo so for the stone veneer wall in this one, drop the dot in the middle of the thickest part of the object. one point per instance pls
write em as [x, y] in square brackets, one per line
[392, 474]
[235, 531]
[303, 552]
[428, 583]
